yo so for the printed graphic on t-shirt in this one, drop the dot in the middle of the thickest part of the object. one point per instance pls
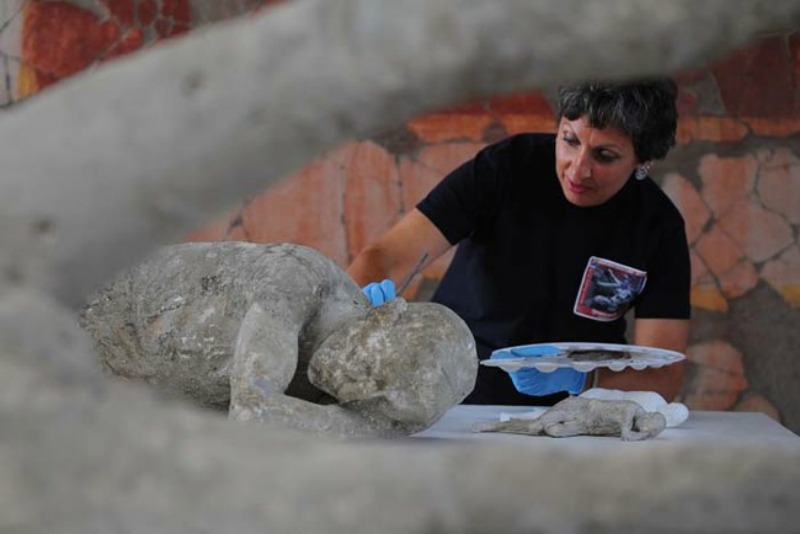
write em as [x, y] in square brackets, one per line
[607, 289]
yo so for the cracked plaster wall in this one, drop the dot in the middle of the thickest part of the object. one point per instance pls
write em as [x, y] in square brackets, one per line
[735, 175]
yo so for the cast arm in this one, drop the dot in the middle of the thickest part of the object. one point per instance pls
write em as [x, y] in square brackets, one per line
[329, 420]
[264, 363]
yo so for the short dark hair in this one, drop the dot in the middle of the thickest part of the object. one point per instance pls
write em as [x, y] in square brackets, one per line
[643, 109]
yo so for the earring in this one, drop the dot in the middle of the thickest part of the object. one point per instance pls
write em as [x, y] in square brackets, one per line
[641, 171]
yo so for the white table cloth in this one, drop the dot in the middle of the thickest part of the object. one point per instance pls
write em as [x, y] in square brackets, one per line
[712, 428]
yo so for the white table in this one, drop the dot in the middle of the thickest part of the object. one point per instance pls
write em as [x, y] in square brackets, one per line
[712, 428]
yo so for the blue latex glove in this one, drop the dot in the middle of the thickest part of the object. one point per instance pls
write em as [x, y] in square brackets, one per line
[536, 383]
[379, 292]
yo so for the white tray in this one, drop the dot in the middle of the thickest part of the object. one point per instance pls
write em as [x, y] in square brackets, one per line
[582, 357]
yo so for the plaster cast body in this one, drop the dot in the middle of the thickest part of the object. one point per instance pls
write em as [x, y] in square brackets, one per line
[675, 413]
[281, 333]
[576, 416]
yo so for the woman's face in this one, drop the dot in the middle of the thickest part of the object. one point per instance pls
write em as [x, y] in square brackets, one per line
[592, 164]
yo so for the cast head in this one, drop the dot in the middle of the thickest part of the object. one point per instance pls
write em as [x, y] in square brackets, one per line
[406, 362]
[649, 423]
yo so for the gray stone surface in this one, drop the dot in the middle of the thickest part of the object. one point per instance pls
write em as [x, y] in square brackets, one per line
[771, 360]
[208, 11]
[249, 101]
[575, 416]
[81, 456]
[242, 323]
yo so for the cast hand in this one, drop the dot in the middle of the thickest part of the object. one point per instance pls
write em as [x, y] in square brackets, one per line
[536, 383]
[379, 292]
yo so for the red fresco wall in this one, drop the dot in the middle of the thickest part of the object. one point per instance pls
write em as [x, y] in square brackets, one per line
[735, 177]
[60, 38]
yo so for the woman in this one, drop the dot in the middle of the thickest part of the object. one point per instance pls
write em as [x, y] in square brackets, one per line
[540, 220]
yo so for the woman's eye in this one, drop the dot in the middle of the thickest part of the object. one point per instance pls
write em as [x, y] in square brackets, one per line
[606, 157]
[571, 141]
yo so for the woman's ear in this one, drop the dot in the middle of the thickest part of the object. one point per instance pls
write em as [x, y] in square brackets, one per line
[642, 170]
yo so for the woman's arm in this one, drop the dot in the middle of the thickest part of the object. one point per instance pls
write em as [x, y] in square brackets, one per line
[671, 334]
[397, 252]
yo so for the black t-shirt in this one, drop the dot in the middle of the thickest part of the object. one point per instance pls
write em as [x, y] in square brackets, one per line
[531, 267]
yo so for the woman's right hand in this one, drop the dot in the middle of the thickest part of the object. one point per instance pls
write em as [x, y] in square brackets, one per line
[379, 292]
[396, 254]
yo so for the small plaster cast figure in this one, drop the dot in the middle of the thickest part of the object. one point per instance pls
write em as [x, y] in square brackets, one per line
[575, 416]
[674, 412]
[279, 333]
